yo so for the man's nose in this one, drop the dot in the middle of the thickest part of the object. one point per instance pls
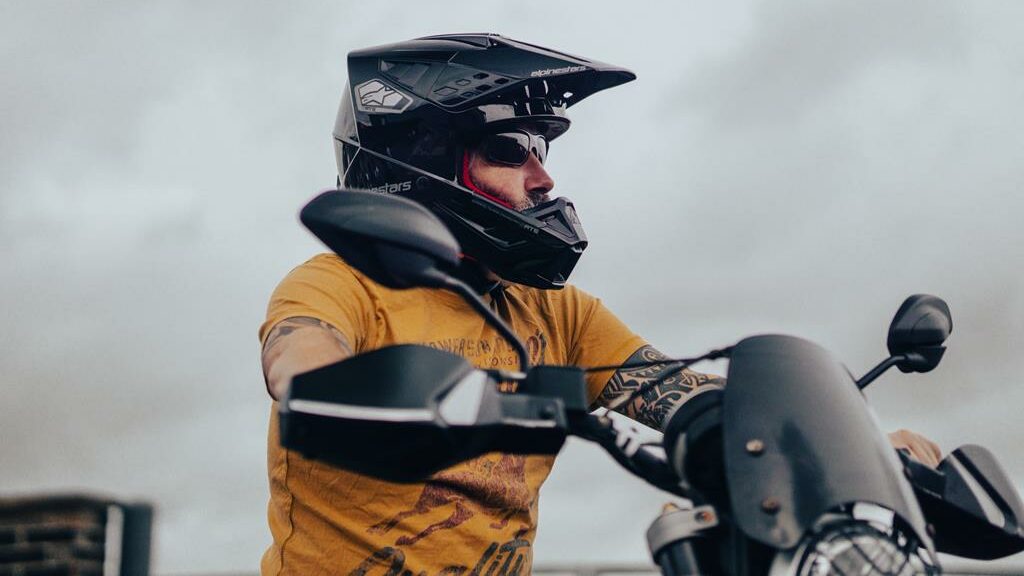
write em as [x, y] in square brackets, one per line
[537, 178]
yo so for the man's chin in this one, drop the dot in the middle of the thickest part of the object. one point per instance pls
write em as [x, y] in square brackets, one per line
[533, 203]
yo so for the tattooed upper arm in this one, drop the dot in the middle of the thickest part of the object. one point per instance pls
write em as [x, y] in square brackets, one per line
[299, 344]
[653, 406]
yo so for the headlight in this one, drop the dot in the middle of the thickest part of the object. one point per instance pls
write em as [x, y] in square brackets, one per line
[851, 547]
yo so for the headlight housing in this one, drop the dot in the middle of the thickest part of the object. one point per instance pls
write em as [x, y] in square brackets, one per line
[862, 540]
[857, 547]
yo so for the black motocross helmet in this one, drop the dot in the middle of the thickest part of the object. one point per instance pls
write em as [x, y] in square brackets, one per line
[411, 110]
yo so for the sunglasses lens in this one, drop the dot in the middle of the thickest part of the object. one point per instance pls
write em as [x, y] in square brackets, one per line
[513, 148]
[541, 149]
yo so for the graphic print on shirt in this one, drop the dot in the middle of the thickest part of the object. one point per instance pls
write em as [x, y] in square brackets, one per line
[495, 488]
[492, 488]
[505, 559]
[494, 352]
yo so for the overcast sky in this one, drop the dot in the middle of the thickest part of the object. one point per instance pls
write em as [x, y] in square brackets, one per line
[796, 167]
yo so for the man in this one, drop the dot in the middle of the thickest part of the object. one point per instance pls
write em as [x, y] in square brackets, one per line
[462, 124]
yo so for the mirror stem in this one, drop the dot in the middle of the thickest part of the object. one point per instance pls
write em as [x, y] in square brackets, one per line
[879, 370]
[467, 293]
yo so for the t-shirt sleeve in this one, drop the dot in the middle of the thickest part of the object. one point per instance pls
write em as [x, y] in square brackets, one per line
[327, 289]
[600, 339]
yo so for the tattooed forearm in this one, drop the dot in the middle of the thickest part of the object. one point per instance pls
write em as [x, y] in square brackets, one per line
[288, 326]
[653, 406]
[299, 344]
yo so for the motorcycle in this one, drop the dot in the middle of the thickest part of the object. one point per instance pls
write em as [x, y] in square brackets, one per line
[784, 472]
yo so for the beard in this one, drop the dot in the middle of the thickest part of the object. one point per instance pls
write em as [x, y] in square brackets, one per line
[535, 199]
[518, 204]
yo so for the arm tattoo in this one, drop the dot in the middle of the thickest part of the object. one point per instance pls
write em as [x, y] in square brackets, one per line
[279, 335]
[653, 406]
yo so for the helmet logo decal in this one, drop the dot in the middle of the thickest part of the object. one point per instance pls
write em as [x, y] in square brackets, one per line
[557, 71]
[376, 97]
[392, 188]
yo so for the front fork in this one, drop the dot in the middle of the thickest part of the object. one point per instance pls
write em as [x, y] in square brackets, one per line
[696, 542]
[681, 541]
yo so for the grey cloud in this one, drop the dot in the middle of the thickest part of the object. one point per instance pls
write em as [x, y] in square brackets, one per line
[799, 53]
[798, 167]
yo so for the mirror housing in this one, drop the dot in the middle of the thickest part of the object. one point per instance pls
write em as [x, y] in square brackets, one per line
[916, 337]
[918, 331]
[395, 241]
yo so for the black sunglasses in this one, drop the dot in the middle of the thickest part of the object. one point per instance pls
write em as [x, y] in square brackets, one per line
[513, 148]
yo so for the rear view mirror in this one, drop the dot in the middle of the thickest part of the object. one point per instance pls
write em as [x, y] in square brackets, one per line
[393, 240]
[918, 331]
[916, 336]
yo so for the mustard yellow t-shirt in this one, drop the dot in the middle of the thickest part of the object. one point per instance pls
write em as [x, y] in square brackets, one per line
[478, 517]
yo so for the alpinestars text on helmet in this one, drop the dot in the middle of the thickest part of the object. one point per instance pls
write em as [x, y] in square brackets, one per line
[392, 188]
[557, 71]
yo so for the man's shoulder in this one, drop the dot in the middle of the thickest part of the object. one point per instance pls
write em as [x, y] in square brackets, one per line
[328, 271]
[324, 272]
[327, 264]
[570, 296]
[329, 261]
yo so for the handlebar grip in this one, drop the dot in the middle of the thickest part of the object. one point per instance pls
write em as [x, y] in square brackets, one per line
[921, 476]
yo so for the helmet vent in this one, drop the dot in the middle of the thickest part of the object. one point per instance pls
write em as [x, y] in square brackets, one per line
[408, 73]
[478, 40]
[470, 83]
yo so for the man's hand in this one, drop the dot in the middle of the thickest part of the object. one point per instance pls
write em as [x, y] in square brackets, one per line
[921, 449]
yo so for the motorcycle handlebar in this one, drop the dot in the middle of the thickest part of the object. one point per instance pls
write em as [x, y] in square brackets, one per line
[628, 452]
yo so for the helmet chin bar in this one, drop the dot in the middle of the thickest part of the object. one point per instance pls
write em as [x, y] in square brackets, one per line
[538, 247]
